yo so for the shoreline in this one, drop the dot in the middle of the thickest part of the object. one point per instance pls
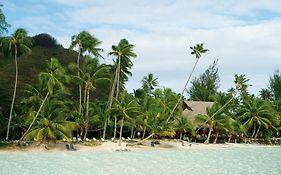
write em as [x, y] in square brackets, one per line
[110, 146]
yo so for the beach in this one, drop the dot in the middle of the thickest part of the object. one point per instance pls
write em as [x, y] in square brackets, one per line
[113, 146]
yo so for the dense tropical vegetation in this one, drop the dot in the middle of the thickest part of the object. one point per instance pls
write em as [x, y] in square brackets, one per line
[72, 94]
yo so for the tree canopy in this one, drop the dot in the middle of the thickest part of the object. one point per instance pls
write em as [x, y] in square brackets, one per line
[206, 86]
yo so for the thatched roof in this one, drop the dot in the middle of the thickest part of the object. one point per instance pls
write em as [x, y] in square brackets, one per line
[193, 108]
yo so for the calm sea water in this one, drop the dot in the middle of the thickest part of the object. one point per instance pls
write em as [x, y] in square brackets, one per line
[232, 161]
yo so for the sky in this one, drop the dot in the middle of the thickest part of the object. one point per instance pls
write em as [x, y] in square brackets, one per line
[245, 35]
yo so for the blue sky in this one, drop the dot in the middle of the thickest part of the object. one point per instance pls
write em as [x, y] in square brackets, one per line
[244, 35]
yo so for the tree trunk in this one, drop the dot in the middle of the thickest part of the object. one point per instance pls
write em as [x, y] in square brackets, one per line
[141, 141]
[181, 96]
[229, 138]
[81, 133]
[143, 134]
[209, 135]
[78, 74]
[87, 114]
[121, 129]
[14, 95]
[216, 138]
[39, 110]
[132, 132]
[254, 130]
[257, 132]
[117, 92]
[110, 101]
[104, 127]
[180, 134]
[115, 126]
[85, 93]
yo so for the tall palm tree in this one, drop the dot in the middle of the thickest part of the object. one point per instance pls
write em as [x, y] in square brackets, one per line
[93, 75]
[123, 51]
[53, 80]
[85, 43]
[197, 50]
[18, 41]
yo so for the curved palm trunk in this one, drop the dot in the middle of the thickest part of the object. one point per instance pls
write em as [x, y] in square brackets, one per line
[215, 113]
[257, 132]
[87, 114]
[209, 135]
[39, 110]
[141, 141]
[121, 130]
[181, 96]
[14, 95]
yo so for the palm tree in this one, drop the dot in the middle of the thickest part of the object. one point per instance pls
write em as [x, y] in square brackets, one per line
[215, 120]
[241, 83]
[124, 108]
[149, 82]
[255, 114]
[53, 80]
[52, 123]
[183, 125]
[86, 43]
[123, 51]
[197, 50]
[18, 41]
[93, 75]
[265, 94]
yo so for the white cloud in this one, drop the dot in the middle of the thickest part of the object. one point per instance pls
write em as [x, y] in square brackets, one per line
[244, 35]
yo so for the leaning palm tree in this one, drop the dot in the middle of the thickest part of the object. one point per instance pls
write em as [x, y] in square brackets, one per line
[18, 41]
[53, 80]
[197, 50]
[85, 43]
[123, 51]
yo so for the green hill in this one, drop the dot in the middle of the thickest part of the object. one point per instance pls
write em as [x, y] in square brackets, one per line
[29, 67]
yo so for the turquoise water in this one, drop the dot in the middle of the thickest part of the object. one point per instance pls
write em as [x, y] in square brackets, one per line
[232, 161]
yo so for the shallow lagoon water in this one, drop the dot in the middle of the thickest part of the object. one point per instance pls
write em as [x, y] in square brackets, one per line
[221, 161]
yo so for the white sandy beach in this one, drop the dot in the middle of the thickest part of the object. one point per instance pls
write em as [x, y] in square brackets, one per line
[113, 146]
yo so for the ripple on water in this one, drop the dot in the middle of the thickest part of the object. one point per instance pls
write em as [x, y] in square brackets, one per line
[234, 161]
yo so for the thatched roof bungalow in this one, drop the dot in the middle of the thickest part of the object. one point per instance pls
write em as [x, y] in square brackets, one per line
[193, 108]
